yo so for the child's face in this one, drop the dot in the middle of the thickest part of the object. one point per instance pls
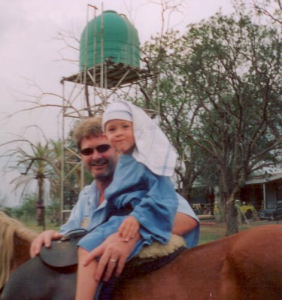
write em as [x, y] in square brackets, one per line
[120, 135]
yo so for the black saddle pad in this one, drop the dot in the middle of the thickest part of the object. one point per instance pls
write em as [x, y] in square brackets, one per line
[63, 253]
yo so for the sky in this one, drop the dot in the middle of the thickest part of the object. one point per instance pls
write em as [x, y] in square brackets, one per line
[31, 60]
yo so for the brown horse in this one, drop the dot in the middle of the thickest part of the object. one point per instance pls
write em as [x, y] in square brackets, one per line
[245, 266]
[15, 241]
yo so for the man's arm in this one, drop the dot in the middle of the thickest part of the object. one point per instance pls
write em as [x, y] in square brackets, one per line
[186, 223]
[183, 224]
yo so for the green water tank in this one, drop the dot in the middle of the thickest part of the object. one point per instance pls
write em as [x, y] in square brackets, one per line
[120, 39]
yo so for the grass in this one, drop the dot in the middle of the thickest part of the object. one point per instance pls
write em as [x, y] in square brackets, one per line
[31, 224]
[209, 231]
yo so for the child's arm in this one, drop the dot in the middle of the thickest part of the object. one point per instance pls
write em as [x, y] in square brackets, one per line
[128, 228]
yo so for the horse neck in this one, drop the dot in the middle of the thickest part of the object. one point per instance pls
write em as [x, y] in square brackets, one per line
[15, 241]
[21, 252]
[21, 244]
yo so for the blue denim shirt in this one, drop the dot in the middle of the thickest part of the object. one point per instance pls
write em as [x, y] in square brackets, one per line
[88, 208]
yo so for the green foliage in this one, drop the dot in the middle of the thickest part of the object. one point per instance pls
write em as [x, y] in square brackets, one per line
[36, 163]
[17, 213]
[172, 102]
[53, 211]
[234, 71]
[218, 99]
[29, 205]
[271, 9]
[26, 211]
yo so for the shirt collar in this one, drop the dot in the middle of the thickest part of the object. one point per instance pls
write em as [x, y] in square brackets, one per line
[93, 194]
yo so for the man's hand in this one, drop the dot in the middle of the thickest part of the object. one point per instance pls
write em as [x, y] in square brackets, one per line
[113, 253]
[128, 228]
[43, 239]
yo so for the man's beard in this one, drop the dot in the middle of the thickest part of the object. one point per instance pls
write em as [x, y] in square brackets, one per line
[107, 174]
[104, 177]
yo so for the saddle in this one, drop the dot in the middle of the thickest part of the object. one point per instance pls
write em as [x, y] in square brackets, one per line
[63, 253]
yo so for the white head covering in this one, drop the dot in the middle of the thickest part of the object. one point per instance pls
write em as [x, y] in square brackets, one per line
[153, 149]
[118, 110]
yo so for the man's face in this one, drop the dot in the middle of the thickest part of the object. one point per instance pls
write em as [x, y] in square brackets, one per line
[101, 165]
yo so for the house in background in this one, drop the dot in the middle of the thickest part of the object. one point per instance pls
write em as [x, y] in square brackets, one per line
[261, 190]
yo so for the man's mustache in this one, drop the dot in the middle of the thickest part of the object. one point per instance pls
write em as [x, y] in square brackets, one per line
[98, 162]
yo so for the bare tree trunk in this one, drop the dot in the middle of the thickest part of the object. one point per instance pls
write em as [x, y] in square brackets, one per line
[228, 196]
[186, 191]
[221, 202]
[40, 209]
[231, 217]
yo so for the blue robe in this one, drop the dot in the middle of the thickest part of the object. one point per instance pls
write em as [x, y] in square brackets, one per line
[152, 198]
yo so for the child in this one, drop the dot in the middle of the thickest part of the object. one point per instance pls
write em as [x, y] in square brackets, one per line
[141, 196]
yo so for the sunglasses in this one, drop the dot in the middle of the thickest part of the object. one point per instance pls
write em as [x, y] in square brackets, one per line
[101, 149]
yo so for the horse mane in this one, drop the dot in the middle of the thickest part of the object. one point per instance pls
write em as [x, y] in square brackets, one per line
[10, 229]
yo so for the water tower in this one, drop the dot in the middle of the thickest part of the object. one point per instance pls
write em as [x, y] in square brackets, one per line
[109, 68]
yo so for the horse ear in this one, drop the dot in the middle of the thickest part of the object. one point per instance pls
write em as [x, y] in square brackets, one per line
[15, 245]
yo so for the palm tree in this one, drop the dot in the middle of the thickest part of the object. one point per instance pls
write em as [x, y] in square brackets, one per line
[39, 164]
[42, 162]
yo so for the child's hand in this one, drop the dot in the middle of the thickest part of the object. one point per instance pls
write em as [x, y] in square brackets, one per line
[128, 228]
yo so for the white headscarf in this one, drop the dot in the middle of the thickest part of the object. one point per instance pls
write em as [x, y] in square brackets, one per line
[153, 149]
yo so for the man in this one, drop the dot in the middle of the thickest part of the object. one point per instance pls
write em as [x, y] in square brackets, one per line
[100, 159]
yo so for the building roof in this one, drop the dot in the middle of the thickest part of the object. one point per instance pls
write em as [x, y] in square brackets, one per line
[264, 178]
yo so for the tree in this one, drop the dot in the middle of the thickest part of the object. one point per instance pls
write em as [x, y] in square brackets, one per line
[41, 163]
[35, 164]
[167, 97]
[29, 206]
[272, 9]
[234, 72]
[219, 91]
